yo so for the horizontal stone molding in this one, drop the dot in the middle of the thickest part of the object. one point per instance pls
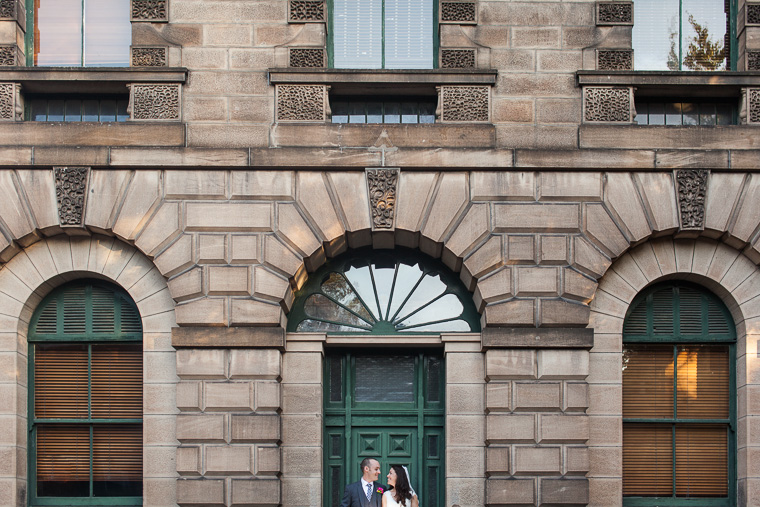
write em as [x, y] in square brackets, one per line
[228, 337]
[538, 338]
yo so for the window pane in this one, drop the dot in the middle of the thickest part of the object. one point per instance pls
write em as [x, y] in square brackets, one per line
[374, 112]
[724, 114]
[55, 110]
[357, 112]
[647, 381]
[427, 112]
[707, 15]
[39, 110]
[58, 26]
[339, 111]
[703, 382]
[60, 381]
[673, 113]
[117, 459]
[690, 113]
[656, 113]
[107, 110]
[408, 112]
[91, 110]
[73, 110]
[116, 381]
[409, 34]
[121, 110]
[358, 37]
[387, 379]
[707, 114]
[63, 460]
[701, 460]
[647, 459]
[642, 113]
[108, 33]
[392, 112]
[655, 35]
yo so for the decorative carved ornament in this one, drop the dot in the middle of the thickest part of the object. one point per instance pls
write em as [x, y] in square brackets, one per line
[7, 8]
[753, 13]
[457, 58]
[753, 60]
[461, 12]
[463, 103]
[753, 105]
[382, 184]
[149, 56]
[306, 11]
[154, 11]
[8, 55]
[306, 57]
[692, 189]
[614, 13]
[614, 59]
[302, 102]
[71, 190]
[607, 104]
[154, 101]
[11, 107]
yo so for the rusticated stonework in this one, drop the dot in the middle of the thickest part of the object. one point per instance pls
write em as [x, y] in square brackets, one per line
[458, 12]
[614, 13]
[753, 105]
[753, 60]
[381, 184]
[692, 188]
[71, 189]
[7, 8]
[307, 57]
[150, 10]
[306, 11]
[7, 55]
[614, 59]
[464, 103]
[154, 101]
[753, 14]
[301, 102]
[457, 58]
[149, 57]
[602, 104]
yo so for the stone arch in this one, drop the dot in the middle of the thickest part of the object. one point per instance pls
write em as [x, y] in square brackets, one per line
[725, 271]
[28, 277]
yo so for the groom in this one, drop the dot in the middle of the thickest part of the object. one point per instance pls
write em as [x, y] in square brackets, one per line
[366, 492]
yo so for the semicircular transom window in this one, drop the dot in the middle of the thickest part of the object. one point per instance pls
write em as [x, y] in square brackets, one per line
[383, 293]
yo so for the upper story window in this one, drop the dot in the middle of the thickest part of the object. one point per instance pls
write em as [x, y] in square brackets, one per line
[679, 35]
[382, 34]
[74, 33]
[377, 110]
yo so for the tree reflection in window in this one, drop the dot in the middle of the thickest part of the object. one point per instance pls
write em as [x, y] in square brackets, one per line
[383, 293]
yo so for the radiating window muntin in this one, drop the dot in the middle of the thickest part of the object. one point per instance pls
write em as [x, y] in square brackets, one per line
[74, 33]
[368, 291]
[382, 34]
[679, 398]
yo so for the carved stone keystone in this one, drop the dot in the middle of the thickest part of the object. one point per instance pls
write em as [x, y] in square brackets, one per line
[71, 193]
[691, 185]
[382, 188]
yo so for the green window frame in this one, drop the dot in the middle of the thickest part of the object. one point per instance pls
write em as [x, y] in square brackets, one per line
[85, 398]
[682, 315]
[381, 34]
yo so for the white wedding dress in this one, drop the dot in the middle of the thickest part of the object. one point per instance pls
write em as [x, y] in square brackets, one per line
[390, 502]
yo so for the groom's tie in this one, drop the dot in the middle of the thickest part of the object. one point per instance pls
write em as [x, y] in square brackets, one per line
[369, 491]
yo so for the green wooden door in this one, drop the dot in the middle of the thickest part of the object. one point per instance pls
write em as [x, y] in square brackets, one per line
[387, 407]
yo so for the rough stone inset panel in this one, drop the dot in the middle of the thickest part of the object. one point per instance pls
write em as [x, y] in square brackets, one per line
[8, 55]
[607, 104]
[614, 13]
[381, 185]
[457, 58]
[154, 11]
[306, 11]
[458, 12]
[464, 103]
[154, 101]
[149, 56]
[70, 191]
[306, 57]
[614, 59]
[301, 102]
[753, 60]
[753, 105]
[7, 8]
[10, 102]
[692, 189]
[753, 14]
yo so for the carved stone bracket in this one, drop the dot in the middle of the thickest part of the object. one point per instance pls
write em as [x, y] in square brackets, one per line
[457, 58]
[752, 14]
[11, 105]
[462, 12]
[10, 55]
[71, 193]
[306, 57]
[750, 110]
[469, 104]
[614, 59]
[153, 11]
[150, 56]
[154, 101]
[608, 104]
[8, 9]
[382, 188]
[614, 13]
[753, 60]
[302, 103]
[306, 11]
[691, 185]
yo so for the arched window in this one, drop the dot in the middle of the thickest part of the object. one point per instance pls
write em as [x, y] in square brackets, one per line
[85, 371]
[390, 292]
[679, 397]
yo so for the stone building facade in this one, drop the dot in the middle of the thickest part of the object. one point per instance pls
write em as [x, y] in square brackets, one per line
[230, 185]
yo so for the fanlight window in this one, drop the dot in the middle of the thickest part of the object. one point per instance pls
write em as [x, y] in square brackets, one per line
[383, 294]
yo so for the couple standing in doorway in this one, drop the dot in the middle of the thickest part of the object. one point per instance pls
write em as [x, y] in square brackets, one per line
[368, 492]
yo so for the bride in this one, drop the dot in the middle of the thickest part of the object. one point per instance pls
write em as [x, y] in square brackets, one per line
[401, 494]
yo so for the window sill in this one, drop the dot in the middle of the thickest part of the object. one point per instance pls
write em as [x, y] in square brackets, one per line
[90, 79]
[674, 83]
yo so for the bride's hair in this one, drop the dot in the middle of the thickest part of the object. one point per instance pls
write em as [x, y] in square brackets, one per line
[402, 491]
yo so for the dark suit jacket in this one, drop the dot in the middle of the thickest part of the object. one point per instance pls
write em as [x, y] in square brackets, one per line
[355, 496]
